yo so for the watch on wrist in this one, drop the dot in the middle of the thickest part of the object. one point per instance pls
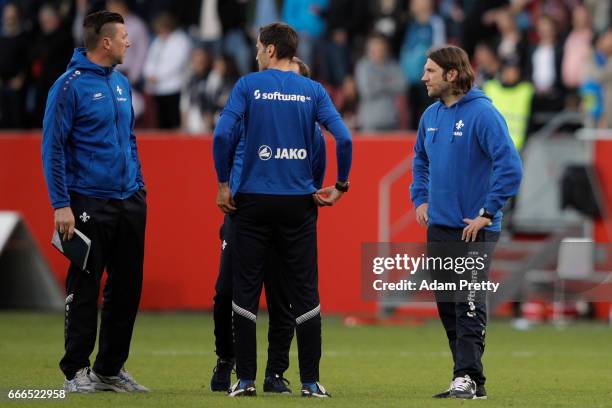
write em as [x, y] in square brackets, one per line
[484, 213]
[342, 186]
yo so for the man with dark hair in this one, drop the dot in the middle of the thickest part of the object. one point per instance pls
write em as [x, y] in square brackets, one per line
[465, 168]
[282, 37]
[92, 169]
[274, 203]
[281, 325]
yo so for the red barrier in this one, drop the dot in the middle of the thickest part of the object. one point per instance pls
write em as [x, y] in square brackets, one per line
[603, 152]
[182, 247]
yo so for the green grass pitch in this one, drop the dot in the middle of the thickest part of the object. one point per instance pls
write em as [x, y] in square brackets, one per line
[373, 366]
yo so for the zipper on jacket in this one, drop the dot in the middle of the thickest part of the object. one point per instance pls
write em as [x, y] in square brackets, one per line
[116, 112]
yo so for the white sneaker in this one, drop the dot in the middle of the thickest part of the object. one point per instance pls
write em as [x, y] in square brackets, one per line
[80, 382]
[317, 390]
[244, 390]
[129, 379]
[463, 387]
[122, 382]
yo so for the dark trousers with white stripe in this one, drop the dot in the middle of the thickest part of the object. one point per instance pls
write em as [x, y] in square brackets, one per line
[282, 323]
[117, 232]
[288, 224]
[464, 322]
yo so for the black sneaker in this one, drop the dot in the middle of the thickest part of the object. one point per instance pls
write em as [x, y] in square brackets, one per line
[463, 388]
[244, 390]
[276, 383]
[444, 394]
[315, 391]
[222, 375]
[481, 392]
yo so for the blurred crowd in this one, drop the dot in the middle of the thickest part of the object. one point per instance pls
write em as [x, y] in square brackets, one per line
[534, 58]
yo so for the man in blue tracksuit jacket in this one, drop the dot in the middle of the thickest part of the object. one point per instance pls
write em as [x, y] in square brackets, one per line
[92, 169]
[465, 168]
[274, 203]
[281, 324]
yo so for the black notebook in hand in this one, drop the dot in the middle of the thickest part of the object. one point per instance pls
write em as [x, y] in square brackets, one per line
[76, 250]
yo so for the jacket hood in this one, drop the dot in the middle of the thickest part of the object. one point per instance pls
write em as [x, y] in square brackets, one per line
[80, 61]
[473, 94]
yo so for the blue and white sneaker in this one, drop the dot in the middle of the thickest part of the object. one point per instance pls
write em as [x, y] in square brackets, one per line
[314, 390]
[463, 387]
[122, 382]
[277, 384]
[80, 383]
[242, 388]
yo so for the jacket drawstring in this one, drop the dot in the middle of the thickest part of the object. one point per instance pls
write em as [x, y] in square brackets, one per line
[433, 138]
[452, 140]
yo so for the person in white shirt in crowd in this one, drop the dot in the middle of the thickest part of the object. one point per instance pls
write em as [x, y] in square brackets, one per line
[209, 31]
[165, 69]
[544, 71]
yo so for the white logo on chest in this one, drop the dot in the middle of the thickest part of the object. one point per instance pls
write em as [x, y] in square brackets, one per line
[458, 126]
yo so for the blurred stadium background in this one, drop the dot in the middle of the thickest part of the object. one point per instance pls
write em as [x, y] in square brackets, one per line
[547, 65]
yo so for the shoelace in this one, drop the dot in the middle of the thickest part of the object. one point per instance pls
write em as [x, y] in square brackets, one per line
[82, 376]
[277, 379]
[126, 377]
[461, 384]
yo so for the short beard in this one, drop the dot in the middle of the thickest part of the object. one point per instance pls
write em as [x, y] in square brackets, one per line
[445, 90]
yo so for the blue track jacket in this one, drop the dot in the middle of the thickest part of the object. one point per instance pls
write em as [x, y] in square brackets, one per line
[464, 160]
[89, 146]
